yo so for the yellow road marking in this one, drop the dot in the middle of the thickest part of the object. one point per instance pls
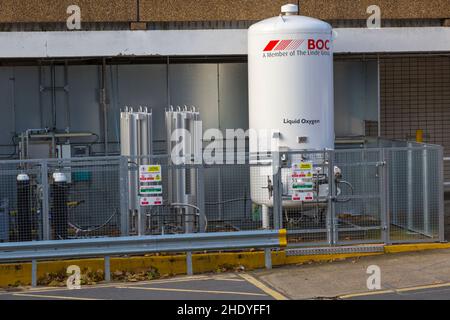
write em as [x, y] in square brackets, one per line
[193, 290]
[274, 294]
[408, 289]
[236, 280]
[364, 294]
[51, 297]
[431, 286]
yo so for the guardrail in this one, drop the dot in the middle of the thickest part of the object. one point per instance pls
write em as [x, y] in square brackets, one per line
[107, 247]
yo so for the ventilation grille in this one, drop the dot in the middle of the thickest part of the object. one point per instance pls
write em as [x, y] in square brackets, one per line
[415, 95]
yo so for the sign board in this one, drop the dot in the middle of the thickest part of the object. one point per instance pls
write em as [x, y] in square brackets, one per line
[150, 177]
[303, 197]
[303, 167]
[151, 201]
[303, 186]
[152, 169]
[151, 173]
[302, 174]
[151, 189]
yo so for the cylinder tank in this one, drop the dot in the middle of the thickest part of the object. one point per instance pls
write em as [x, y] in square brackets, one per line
[290, 61]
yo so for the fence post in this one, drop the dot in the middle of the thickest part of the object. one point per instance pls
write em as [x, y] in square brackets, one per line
[189, 267]
[34, 273]
[107, 269]
[268, 258]
[384, 197]
[332, 233]
[277, 192]
[441, 194]
[45, 201]
[124, 197]
[425, 180]
[410, 187]
[201, 197]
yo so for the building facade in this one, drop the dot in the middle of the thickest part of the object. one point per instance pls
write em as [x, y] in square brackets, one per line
[389, 82]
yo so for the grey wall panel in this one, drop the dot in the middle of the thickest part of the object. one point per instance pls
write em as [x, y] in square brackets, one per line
[7, 109]
[26, 98]
[355, 96]
[144, 85]
[196, 85]
[218, 90]
[233, 96]
[84, 99]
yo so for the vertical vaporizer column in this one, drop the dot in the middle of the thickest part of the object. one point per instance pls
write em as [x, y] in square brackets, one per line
[24, 208]
[59, 207]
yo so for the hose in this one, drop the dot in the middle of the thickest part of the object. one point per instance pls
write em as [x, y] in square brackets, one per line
[79, 229]
[352, 191]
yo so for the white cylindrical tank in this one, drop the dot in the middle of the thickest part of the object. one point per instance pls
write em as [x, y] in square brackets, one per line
[290, 61]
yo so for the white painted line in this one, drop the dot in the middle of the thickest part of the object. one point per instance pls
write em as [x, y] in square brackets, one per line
[193, 291]
[51, 297]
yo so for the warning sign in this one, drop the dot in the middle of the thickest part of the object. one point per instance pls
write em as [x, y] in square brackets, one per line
[303, 197]
[302, 174]
[151, 201]
[154, 169]
[151, 189]
[303, 167]
[150, 177]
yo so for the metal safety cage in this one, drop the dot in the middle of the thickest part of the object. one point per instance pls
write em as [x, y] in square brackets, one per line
[23, 203]
[167, 201]
[86, 198]
[387, 194]
[370, 195]
[359, 199]
[305, 197]
[232, 194]
[415, 193]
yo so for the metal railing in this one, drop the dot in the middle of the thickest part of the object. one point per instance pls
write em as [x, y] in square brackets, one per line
[107, 247]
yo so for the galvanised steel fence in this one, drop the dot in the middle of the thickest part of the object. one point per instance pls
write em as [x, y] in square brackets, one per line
[376, 194]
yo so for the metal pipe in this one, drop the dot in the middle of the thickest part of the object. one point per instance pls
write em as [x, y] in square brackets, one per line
[265, 217]
[53, 94]
[41, 86]
[379, 95]
[103, 104]
[66, 90]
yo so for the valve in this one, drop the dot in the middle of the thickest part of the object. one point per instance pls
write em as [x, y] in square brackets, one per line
[269, 187]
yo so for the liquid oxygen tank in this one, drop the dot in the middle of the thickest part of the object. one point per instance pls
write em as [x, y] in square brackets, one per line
[290, 61]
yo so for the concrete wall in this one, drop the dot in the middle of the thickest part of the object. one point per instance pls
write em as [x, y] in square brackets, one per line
[56, 10]
[213, 10]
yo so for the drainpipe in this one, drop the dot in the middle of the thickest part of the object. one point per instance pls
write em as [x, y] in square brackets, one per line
[103, 105]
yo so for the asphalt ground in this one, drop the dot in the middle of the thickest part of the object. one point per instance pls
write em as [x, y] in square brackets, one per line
[208, 287]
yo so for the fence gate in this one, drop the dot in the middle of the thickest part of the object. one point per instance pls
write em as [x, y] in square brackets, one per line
[359, 207]
[347, 209]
